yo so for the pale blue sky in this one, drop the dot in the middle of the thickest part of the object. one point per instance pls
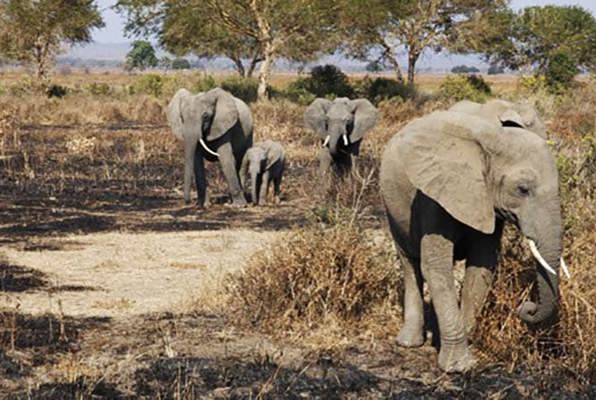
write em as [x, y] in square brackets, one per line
[113, 31]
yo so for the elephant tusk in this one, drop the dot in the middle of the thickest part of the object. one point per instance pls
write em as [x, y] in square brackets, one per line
[326, 141]
[207, 149]
[346, 140]
[539, 258]
[565, 269]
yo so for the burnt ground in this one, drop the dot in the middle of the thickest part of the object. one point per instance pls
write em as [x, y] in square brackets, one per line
[101, 268]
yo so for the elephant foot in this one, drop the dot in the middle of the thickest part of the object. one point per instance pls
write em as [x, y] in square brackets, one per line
[238, 203]
[410, 337]
[456, 358]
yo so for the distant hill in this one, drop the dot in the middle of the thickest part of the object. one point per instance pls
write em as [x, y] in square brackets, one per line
[112, 54]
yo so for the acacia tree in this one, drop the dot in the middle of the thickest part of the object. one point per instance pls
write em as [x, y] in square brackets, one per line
[141, 56]
[417, 25]
[34, 31]
[535, 37]
[260, 30]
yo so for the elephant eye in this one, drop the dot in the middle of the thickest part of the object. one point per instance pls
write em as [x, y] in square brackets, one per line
[523, 189]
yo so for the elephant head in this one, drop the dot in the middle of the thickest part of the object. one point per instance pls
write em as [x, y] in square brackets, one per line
[341, 123]
[508, 113]
[478, 170]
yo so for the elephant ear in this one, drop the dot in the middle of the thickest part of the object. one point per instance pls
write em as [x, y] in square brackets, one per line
[444, 159]
[275, 152]
[365, 118]
[174, 113]
[512, 118]
[315, 116]
[225, 112]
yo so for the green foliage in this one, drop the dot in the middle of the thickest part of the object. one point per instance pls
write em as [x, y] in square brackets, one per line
[495, 69]
[465, 87]
[531, 84]
[57, 91]
[141, 56]
[297, 93]
[33, 31]
[151, 84]
[203, 84]
[464, 69]
[560, 72]
[243, 88]
[99, 89]
[382, 89]
[180, 63]
[326, 81]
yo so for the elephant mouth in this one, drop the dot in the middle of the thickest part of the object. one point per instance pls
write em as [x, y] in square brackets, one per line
[508, 216]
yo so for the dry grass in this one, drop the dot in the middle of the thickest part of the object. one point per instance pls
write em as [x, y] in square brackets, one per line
[330, 278]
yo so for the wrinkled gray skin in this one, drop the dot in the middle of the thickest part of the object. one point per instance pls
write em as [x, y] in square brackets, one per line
[508, 113]
[265, 162]
[225, 124]
[334, 120]
[449, 181]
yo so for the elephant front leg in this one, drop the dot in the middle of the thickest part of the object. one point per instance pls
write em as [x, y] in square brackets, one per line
[228, 166]
[412, 332]
[201, 181]
[481, 261]
[264, 188]
[190, 151]
[437, 270]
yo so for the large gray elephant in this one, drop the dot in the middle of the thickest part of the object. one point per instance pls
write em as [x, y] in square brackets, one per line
[507, 113]
[265, 163]
[214, 126]
[341, 124]
[449, 181]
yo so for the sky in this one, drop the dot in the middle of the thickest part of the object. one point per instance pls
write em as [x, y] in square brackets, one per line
[113, 31]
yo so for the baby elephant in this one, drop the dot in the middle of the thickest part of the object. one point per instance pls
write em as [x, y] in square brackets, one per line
[266, 163]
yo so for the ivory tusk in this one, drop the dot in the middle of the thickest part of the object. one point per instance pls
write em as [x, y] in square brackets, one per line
[565, 269]
[345, 140]
[326, 142]
[539, 258]
[207, 148]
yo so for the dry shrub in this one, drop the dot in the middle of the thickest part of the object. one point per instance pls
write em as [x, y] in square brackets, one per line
[316, 276]
[149, 110]
[574, 116]
[111, 113]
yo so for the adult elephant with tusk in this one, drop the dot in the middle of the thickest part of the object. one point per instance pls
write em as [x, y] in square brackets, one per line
[449, 182]
[341, 124]
[214, 126]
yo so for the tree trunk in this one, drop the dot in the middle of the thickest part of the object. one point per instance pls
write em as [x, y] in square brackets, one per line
[392, 57]
[253, 65]
[239, 66]
[265, 71]
[412, 58]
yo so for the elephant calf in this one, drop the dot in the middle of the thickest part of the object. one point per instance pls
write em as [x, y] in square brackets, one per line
[265, 162]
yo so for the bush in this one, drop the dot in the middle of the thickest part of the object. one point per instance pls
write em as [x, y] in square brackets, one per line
[531, 84]
[243, 88]
[99, 89]
[58, 91]
[315, 275]
[151, 84]
[560, 72]
[464, 69]
[203, 84]
[180, 63]
[296, 92]
[327, 81]
[465, 87]
[381, 89]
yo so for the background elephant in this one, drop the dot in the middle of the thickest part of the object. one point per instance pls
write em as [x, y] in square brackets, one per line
[341, 125]
[507, 113]
[449, 181]
[265, 162]
[214, 126]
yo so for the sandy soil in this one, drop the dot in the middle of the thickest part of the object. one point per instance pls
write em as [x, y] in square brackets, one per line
[120, 274]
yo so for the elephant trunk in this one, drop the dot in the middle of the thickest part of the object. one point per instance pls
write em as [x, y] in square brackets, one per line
[547, 253]
[337, 138]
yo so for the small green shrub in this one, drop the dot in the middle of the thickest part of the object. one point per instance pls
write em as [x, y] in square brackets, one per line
[203, 84]
[296, 92]
[531, 84]
[99, 89]
[180, 63]
[465, 87]
[55, 90]
[151, 84]
[327, 81]
[243, 88]
[382, 89]
[560, 72]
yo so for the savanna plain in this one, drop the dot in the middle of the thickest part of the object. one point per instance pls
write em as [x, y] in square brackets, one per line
[111, 287]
